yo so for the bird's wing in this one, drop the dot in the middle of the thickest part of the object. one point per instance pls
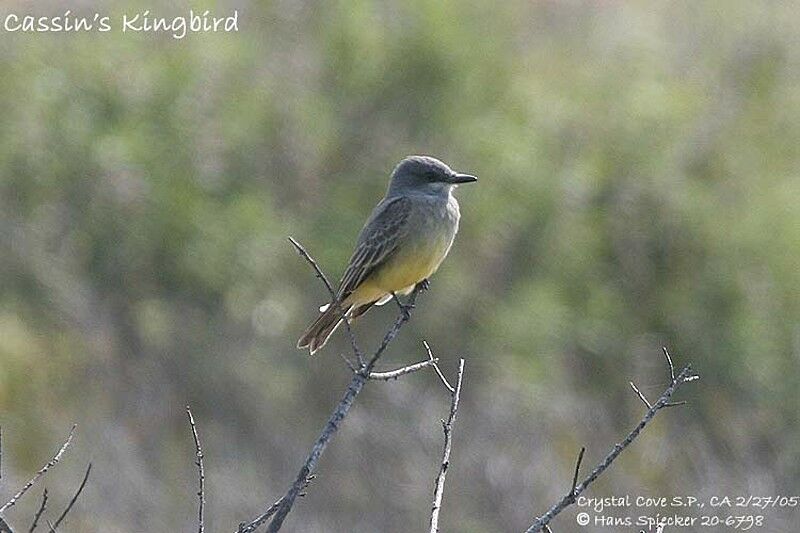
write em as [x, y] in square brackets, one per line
[379, 239]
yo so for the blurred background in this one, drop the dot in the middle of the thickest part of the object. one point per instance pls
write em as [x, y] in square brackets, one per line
[639, 187]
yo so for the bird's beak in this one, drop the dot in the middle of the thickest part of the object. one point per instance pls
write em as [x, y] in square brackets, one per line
[462, 178]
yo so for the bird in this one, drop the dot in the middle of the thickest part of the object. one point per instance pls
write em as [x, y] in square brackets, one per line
[402, 244]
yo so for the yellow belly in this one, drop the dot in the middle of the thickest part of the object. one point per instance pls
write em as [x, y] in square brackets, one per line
[402, 271]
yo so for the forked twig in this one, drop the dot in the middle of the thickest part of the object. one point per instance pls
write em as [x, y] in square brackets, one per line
[672, 380]
[438, 370]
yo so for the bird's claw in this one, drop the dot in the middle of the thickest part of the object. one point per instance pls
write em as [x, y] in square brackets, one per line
[424, 285]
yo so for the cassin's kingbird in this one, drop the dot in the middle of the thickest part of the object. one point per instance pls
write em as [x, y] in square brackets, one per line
[403, 242]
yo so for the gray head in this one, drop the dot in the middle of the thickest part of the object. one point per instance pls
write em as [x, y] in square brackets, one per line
[425, 175]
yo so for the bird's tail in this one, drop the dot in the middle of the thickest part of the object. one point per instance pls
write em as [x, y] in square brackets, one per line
[317, 334]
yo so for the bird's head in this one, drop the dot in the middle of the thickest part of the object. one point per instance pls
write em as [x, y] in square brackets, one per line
[426, 175]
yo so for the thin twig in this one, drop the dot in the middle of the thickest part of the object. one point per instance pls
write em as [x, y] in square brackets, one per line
[436, 367]
[39, 513]
[334, 300]
[447, 427]
[74, 498]
[669, 362]
[683, 377]
[350, 365]
[201, 493]
[641, 396]
[394, 374]
[577, 470]
[318, 271]
[56, 458]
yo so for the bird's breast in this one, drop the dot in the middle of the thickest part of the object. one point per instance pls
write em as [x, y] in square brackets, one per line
[432, 228]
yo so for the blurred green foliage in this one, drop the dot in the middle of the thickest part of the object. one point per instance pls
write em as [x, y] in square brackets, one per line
[638, 187]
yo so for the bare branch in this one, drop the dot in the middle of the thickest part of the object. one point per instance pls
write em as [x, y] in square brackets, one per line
[447, 427]
[284, 505]
[39, 513]
[74, 498]
[339, 413]
[334, 300]
[56, 458]
[436, 368]
[394, 374]
[201, 493]
[540, 523]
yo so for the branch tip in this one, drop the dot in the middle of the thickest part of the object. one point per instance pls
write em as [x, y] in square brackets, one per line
[201, 492]
[577, 470]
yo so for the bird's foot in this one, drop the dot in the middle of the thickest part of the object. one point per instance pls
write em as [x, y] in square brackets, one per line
[423, 285]
[405, 309]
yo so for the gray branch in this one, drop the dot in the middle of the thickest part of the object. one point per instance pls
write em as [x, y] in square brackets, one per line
[284, 505]
[685, 375]
[447, 427]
